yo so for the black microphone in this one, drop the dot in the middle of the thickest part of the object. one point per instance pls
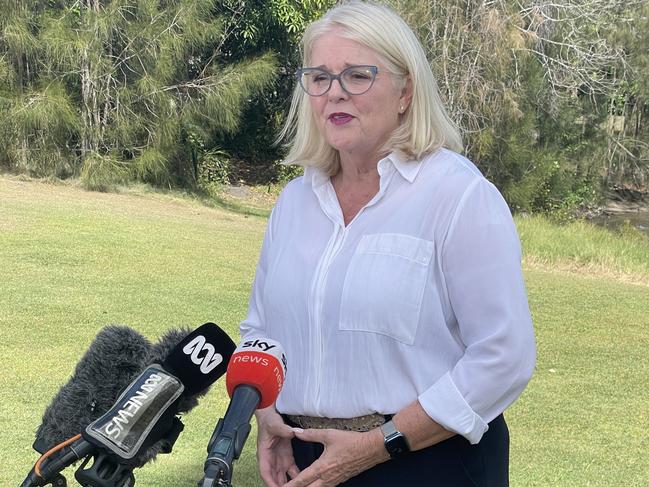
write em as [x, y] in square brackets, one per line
[194, 364]
[143, 420]
[254, 379]
[112, 361]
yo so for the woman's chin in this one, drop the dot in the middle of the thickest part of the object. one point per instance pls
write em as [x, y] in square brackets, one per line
[345, 146]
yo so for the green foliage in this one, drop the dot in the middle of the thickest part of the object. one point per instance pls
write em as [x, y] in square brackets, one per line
[532, 96]
[287, 173]
[7, 77]
[627, 154]
[151, 166]
[294, 16]
[39, 124]
[103, 172]
[545, 162]
[261, 26]
[214, 168]
[230, 87]
[48, 110]
[18, 37]
[136, 82]
[134, 73]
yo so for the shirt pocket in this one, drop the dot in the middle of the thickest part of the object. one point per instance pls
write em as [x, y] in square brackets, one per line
[384, 285]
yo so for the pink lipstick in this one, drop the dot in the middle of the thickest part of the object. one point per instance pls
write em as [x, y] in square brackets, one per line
[340, 118]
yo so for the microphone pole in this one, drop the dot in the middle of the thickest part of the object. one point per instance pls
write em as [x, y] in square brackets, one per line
[230, 435]
[254, 378]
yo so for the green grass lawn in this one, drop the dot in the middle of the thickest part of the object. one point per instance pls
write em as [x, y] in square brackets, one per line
[72, 262]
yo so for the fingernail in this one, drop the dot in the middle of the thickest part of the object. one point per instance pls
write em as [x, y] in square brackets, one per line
[298, 430]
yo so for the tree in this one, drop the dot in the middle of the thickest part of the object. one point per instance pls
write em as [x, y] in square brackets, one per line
[256, 26]
[36, 115]
[627, 127]
[525, 79]
[141, 77]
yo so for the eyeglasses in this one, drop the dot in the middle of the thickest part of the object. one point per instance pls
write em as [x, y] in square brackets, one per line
[355, 80]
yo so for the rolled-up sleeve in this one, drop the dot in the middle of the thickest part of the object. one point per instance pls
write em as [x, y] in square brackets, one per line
[481, 263]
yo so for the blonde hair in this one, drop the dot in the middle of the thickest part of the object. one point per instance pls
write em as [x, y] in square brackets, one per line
[425, 125]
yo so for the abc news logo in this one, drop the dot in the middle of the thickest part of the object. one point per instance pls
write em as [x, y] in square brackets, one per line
[203, 354]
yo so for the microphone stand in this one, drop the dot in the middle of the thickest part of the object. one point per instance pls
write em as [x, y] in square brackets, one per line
[106, 470]
[229, 436]
[50, 469]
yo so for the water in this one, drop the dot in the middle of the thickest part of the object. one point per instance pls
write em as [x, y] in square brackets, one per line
[639, 219]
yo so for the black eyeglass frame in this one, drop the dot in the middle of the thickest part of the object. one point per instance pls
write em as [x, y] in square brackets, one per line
[300, 72]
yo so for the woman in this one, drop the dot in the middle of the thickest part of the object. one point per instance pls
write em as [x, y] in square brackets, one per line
[390, 272]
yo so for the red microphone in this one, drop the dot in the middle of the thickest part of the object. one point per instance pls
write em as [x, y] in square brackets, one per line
[258, 363]
[254, 378]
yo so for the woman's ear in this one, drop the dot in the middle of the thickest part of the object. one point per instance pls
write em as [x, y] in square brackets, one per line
[406, 95]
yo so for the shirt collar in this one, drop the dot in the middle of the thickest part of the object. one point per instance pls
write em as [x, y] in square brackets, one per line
[315, 177]
[407, 168]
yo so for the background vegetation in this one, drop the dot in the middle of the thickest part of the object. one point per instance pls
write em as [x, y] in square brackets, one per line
[550, 94]
[73, 261]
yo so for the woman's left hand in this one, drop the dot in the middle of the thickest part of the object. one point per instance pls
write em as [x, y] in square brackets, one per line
[346, 454]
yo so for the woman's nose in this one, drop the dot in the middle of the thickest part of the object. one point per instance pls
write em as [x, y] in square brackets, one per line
[336, 91]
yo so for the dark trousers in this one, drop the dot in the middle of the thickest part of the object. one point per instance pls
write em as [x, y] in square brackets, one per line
[451, 463]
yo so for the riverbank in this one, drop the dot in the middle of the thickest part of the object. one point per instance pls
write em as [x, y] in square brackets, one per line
[614, 207]
[626, 209]
[626, 199]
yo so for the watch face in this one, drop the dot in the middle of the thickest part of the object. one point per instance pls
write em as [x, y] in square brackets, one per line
[397, 446]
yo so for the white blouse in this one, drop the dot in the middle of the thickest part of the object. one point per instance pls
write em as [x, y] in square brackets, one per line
[421, 296]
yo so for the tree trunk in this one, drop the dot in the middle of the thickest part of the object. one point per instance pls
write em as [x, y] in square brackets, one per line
[90, 108]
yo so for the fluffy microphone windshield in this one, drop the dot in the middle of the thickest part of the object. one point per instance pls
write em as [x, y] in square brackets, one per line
[113, 360]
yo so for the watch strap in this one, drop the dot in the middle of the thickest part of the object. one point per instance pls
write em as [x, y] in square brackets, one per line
[389, 429]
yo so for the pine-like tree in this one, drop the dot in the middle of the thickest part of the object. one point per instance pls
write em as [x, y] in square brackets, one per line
[121, 86]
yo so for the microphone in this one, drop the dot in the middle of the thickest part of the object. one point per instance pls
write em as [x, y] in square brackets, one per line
[194, 364]
[142, 422]
[110, 363]
[113, 359]
[254, 379]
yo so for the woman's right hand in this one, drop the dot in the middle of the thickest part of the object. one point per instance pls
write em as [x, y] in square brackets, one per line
[274, 452]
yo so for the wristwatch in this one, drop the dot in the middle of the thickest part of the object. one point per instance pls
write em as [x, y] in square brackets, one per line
[395, 443]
